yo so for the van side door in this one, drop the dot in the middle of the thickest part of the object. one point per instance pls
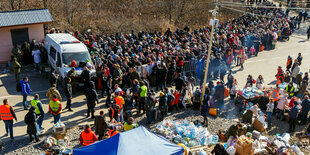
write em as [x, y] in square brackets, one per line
[52, 57]
[59, 68]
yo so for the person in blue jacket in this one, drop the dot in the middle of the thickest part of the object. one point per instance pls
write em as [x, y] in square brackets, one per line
[293, 117]
[205, 109]
[25, 91]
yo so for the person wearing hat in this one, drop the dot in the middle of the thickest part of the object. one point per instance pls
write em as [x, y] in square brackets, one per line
[31, 121]
[53, 91]
[55, 108]
[293, 117]
[163, 106]
[87, 137]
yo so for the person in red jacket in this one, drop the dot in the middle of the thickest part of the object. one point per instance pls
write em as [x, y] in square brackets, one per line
[88, 137]
[291, 104]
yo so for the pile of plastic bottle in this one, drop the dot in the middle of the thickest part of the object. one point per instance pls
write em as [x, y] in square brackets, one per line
[182, 131]
[251, 92]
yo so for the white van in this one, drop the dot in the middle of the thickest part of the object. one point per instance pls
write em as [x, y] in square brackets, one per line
[62, 48]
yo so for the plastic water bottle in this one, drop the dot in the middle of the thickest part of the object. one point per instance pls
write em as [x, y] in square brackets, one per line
[215, 139]
[208, 141]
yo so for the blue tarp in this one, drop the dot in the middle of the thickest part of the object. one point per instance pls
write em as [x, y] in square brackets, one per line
[138, 141]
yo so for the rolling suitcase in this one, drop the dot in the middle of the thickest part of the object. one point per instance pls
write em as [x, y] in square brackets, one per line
[155, 114]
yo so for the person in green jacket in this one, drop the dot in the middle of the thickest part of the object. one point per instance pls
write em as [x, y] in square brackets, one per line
[16, 67]
[234, 130]
[16, 52]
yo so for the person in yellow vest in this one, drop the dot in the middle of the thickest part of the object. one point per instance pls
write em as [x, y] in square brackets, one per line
[88, 137]
[142, 96]
[55, 108]
[130, 124]
[119, 100]
[39, 111]
[7, 114]
[290, 90]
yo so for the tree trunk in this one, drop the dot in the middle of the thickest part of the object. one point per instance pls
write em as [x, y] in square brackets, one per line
[12, 4]
[44, 4]
[180, 13]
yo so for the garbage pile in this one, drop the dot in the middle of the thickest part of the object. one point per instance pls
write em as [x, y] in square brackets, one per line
[251, 92]
[182, 131]
[57, 142]
[255, 143]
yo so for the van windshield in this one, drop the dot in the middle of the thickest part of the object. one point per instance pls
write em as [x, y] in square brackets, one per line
[77, 56]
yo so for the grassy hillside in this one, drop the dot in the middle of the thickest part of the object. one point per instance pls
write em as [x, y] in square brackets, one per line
[110, 16]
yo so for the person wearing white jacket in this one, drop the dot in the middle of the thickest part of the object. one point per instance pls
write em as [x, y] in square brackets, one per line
[260, 82]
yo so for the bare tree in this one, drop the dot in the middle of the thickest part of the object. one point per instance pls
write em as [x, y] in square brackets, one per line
[12, 4]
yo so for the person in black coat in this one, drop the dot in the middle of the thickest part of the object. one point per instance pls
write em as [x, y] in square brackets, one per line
[171, 71]
[305, 110]
[91, 96]
[31, 121]
[162, 73]
[179, 82]
[85, 76]
[68, 92]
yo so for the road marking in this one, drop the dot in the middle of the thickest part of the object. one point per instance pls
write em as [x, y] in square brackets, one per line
[36, 92]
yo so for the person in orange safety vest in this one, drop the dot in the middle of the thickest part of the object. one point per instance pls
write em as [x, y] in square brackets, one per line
[112, 131]
[114, 112]
[7, 114]
[88, 137]
[289, 63]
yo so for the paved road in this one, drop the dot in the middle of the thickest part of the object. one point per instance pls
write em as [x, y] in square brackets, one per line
[265, 64]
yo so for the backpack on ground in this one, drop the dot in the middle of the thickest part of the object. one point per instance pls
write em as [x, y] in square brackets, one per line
[18, 87]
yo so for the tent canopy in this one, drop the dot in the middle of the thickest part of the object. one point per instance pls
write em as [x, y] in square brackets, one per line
[138, 141]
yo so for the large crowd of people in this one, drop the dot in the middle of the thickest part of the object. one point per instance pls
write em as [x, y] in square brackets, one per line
[131, 68]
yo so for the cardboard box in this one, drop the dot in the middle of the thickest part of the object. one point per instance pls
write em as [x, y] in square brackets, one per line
[59, 136]
[258, 125]
[244, 149]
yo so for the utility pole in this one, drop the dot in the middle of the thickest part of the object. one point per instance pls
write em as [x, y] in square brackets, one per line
[212, 23]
